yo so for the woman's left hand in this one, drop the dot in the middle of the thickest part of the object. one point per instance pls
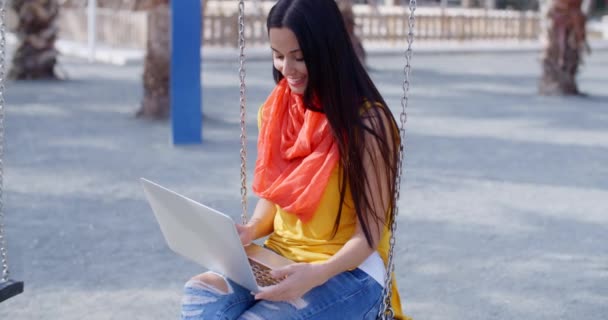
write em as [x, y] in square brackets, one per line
[299, 279]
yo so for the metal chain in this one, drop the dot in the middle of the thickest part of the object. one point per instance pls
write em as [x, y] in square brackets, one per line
[3, 249]
[241, 22]
[386, 311]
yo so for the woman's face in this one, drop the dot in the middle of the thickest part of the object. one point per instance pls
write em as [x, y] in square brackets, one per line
[288, 58]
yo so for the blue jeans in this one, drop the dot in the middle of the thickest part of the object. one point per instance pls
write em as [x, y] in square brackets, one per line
[349, 295]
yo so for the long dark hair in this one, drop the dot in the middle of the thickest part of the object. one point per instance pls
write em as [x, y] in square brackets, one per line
[342, 85]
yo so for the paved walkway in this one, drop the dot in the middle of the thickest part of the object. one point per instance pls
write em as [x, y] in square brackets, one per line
[504, 209]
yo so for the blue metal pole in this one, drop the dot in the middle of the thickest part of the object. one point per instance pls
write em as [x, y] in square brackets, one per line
[185, 90]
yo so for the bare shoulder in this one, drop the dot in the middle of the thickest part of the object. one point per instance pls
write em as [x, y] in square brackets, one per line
[377, 117]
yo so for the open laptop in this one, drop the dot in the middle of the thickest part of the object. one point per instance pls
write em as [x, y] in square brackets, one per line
[209, 238]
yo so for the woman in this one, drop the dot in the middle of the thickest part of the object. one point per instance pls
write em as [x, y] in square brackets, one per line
[325, 174]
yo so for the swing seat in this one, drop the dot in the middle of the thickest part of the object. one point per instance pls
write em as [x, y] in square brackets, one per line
[9, 289]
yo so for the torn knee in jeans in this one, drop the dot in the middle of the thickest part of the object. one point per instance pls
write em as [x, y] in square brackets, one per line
[299, 303]
[272, 308]
[210, 281]
[203, 290]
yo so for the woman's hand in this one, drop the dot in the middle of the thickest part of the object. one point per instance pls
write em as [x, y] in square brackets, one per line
[246, 233]
[261, 223]
[299, 278]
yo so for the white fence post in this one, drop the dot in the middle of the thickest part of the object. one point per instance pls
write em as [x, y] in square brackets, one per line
[92, 28]
[605, 26]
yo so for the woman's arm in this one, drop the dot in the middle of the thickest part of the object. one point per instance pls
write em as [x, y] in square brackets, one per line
[261, 223]
[356, 250]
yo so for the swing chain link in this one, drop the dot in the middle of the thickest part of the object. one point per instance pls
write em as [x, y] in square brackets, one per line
[241, 23]
[3, 249]
[386, 311]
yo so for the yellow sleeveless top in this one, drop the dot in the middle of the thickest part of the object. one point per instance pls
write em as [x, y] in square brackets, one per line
[313, 242]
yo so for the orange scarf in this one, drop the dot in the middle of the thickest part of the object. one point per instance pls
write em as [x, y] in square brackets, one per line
[296, 153]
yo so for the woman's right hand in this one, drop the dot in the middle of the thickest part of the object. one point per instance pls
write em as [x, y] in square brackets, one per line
[246, 233]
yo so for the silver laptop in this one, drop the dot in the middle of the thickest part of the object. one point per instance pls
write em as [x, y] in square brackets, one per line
[209, 238]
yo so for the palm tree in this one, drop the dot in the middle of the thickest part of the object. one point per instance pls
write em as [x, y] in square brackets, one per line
[346, 8]
[565, 38]
[36, 56]
[155, 103]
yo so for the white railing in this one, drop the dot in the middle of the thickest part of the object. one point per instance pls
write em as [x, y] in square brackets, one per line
[128, 29]
[113, 28]
[462, 25]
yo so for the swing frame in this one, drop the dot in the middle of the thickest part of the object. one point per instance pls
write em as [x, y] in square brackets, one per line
[386, 311]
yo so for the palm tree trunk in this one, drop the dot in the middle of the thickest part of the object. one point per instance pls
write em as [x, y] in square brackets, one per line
[36, 56]
[467, 3]
[156, 103]
[565, 42]
[346, 8]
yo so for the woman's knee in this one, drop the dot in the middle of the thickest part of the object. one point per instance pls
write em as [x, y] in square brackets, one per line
[211, 296]
[209, 281]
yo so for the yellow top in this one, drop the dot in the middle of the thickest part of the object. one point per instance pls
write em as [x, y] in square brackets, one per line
[313, 242]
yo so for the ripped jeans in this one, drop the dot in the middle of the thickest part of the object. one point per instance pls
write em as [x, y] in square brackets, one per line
[350, 295]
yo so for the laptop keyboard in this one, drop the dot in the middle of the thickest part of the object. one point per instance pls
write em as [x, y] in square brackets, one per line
[262, 274]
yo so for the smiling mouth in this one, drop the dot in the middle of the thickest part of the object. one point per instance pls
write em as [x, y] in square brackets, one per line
[296, 82]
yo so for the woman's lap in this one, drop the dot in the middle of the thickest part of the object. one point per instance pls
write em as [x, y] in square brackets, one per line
[349, 295]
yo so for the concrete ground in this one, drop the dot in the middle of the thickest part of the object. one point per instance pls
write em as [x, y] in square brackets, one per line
[504, 209]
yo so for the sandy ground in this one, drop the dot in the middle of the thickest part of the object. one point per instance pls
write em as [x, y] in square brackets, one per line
[504, 213]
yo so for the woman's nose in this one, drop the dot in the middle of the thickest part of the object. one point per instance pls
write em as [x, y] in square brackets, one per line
[287, 67]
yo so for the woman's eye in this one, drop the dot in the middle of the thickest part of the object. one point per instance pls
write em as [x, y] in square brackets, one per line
[299, 59]
[279, 57]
